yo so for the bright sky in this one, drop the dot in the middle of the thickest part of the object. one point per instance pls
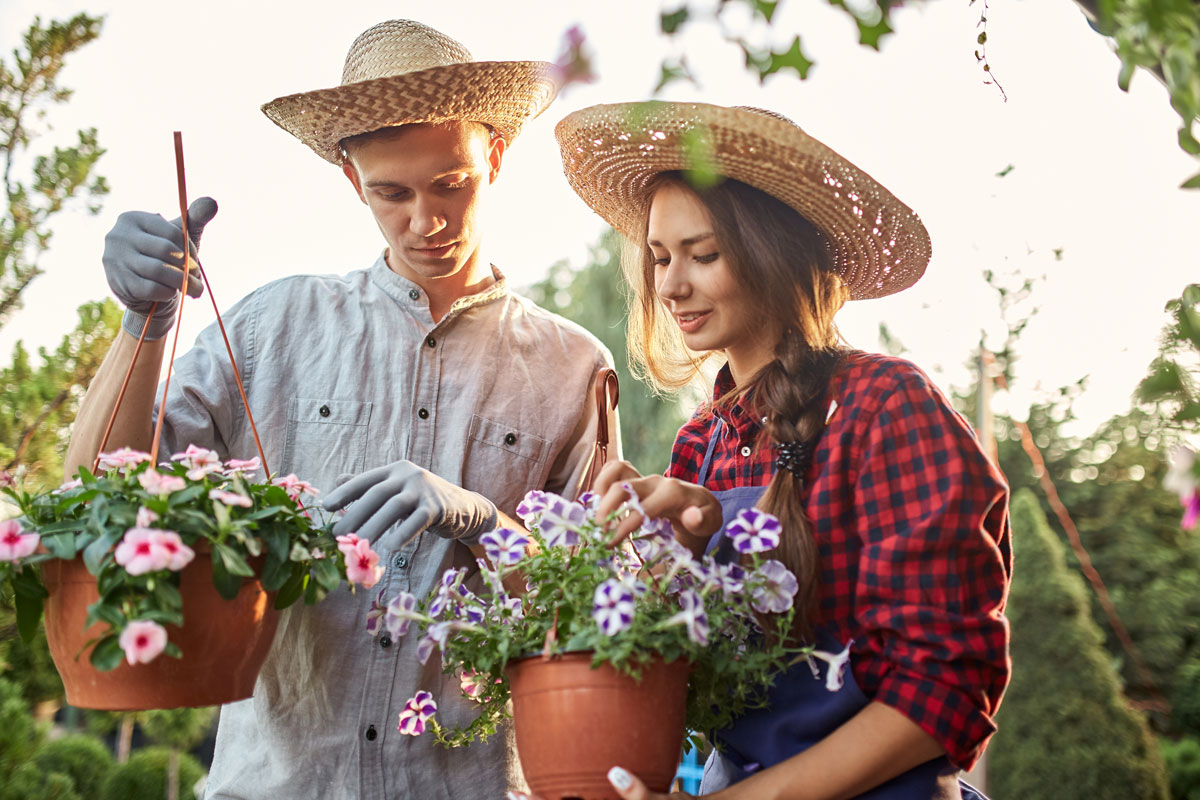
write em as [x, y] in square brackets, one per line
[1095, 171]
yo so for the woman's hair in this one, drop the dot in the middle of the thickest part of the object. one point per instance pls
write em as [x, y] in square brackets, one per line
[784, 263]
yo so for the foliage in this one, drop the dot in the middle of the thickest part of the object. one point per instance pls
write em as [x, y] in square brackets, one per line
[28, 780]
[135, 527]
[18, 734]
[1183, 763]
[84, 758]
[625, 605]
[593, 297]
[1171, 384]
[1064, 722]
[1186, 699]
[36, 401]
[144, 777]
[177, 728]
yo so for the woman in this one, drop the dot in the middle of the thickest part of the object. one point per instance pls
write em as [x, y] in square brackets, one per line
[747, 237]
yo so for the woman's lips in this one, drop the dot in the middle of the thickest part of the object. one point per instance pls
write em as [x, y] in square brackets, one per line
[691, 322]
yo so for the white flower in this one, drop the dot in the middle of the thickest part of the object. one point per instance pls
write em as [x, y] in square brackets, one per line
[613, 606]
[1181, 476]
[772, 588]
[692, 616]
[837, 665]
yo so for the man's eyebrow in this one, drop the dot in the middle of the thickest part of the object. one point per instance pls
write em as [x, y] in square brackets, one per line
[688, 242]
[452, 170]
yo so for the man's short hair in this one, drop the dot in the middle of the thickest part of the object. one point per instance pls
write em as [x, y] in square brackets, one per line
[352, 143]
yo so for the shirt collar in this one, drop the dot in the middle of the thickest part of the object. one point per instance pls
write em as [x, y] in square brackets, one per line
[737, 415]
[409, 295]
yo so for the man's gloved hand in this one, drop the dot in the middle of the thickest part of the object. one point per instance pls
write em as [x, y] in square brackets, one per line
[143, 257]
[402, 491]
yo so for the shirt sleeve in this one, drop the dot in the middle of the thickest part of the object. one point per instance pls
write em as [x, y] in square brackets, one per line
[204, 406]
[933, 569]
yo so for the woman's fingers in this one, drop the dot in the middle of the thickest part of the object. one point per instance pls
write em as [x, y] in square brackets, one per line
[628, 785]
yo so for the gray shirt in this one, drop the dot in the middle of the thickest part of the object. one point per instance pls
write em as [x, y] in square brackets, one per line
[349, 373]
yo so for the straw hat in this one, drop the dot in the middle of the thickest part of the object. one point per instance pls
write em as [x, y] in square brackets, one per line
[610, 153]
[402, 71]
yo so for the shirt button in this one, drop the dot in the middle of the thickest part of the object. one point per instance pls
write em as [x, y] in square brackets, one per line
[746, 452]
[510, 438]
[385, 641]
[430, 341]
[371, 733]
[400, 561]
[323, 411]
[423, 413]
[414, 294]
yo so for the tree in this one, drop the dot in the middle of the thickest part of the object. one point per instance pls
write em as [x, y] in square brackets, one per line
[38, 398]
[594, 298]
[1064, 722]
[178, 730]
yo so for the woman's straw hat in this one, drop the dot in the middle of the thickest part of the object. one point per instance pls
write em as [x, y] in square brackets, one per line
[402, 71]
[611, 152]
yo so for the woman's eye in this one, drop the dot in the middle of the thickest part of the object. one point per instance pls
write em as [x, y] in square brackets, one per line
[661, 262]
[709, 258]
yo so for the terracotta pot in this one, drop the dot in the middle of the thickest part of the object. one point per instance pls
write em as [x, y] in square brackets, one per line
[574, 723]
[224, 643]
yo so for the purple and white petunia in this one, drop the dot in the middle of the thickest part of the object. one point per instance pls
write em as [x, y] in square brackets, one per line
[753, 531]
[733, 579]
[504, 546]
[772, 588]
[447, 589]
[561, 522]
[692, 616]
[531, 505]
[375, 614]
[436, 636]
[417, 711]
[613, 606]
[401, 611]
[837, 666]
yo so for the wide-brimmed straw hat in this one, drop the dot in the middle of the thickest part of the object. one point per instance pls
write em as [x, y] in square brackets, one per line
[611, 152]
[400, 72]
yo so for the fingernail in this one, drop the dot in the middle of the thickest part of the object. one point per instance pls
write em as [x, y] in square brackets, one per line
[620, 778]
[516, 796]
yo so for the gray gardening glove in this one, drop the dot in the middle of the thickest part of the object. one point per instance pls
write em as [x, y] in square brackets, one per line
[143, 256]
[419, 500]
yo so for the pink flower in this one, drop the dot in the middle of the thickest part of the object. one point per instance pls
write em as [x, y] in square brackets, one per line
[362, 565]
[200, 462]
[146, 517]
[295, 487]
[417, 711]
[75, 483]
[177, 554]
[15, 543]
[235, 465]
[347, 542]
[155, 482]
[123, 459]
[6, 479]
[230, 498]
[142, 641]
[1191, 511]
[138, 552]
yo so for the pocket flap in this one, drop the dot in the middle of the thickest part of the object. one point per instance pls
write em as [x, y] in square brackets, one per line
[329, 412]
[508, 438]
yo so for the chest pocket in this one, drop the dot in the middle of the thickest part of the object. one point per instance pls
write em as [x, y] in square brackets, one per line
[326, 439]
[504, 462]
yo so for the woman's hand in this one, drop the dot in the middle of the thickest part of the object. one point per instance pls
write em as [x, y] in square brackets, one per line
[693, 511]
[627, 785]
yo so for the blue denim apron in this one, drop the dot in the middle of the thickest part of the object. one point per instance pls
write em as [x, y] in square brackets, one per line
[801, 710]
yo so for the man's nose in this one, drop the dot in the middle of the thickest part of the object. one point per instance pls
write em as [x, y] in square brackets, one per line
[426, 220]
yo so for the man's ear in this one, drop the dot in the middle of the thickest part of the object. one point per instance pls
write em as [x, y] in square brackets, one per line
[495, 156]
[351, 172]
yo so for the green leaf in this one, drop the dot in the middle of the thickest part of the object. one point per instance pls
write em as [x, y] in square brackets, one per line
[29, 596]
[1163, 382]
[326, 574]
[1123, 78]
[269, 511]
[1191, 183]
[226, 584]
[276, 572]
[1002, 173]
[765, 8]
[670, 72]
[100, 611]
[1186, 141]
[233, 561]
[793, 58]
[107, 654]
[61, 544]
[291, 590]
[1189, 412]
[669, 23]
[95, 553]
[313, 593]
[869, 34]
[701, 171]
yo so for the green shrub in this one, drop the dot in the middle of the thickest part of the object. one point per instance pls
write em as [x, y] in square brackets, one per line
[144, 776]
[1065, 729]
[30, 781]
[18, 734]
[1183, 765]
[1185, 698]
[84, 758]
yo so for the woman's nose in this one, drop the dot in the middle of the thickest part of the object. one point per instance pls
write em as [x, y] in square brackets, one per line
[672, 283]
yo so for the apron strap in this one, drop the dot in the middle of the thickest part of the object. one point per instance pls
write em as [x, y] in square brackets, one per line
[712, 441]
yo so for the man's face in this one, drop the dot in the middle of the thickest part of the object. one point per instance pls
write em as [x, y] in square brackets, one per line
[425, 185]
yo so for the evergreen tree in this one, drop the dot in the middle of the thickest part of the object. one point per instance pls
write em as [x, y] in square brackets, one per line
[1065, 729]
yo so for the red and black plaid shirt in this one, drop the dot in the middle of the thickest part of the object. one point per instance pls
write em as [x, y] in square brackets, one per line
[911, 519]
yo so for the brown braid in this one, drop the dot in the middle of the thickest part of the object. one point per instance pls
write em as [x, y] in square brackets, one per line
[784, 263]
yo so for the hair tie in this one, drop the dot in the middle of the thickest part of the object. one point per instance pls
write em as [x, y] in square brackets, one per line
[794, 457]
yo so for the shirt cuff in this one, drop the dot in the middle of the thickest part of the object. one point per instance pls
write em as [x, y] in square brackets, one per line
[946, 713]
[133, 323]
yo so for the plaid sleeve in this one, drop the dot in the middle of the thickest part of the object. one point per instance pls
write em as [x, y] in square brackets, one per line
[934, 566]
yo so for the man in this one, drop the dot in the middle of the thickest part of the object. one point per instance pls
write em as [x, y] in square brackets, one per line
[421, 389]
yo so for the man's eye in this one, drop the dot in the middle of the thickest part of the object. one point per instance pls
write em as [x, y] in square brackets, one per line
[458, 185]
[398, 195]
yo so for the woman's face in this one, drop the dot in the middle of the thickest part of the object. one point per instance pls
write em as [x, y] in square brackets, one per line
[697, 287]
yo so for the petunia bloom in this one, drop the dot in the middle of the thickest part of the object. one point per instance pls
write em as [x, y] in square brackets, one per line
[416, 713]
[15, 542]
[753, 531]
[774, 586]
[692, 616]
[531, 505]
[837, 666]
[230, 498]
[362, 565]
[561, 522]
[375, 613]
[400, 613]
[613, 606]
[142, 641]
[504, 546]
